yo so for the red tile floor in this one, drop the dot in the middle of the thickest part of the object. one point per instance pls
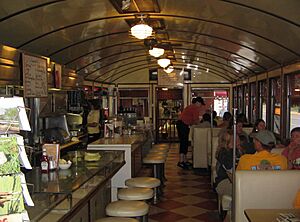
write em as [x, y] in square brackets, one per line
[187, 196]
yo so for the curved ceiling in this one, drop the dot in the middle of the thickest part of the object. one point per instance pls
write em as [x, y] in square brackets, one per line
[232, 39]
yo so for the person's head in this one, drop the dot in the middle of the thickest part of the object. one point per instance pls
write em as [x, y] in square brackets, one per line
[295, 136]
[239, 126]
[264, 140]
[259, 125]
[214, 114]
[227, 116]
[241, 117]
[227, 140]
[198, 101]
[206, 117]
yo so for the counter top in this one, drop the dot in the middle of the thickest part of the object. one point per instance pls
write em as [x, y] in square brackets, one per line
[71, 143]
[56, 195]
[120, 140]
[67, 181]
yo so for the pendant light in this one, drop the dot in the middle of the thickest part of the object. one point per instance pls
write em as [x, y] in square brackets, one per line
[169, 69]
[141, 30]
[163, 62]
[156, 52]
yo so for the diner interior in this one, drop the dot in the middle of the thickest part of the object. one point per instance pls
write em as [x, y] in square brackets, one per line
[96, 89]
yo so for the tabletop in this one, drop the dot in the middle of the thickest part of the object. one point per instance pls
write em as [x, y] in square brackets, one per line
[269, 215]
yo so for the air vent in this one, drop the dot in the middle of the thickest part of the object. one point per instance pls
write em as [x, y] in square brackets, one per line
[136, 6]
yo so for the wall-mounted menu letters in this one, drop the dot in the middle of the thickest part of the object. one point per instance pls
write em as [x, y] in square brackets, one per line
[34, 76]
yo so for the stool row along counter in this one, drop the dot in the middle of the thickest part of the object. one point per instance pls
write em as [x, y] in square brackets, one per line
[131, 198]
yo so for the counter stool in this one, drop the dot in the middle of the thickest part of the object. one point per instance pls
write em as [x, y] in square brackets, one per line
[145, 182]
[226, 202]
[158, 163]
[120, 219]
[157, 153]
[159, 149]
[128, 208]
[161, 145]
[135, 193]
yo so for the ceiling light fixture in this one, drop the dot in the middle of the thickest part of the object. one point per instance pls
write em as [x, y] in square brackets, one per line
[163, 62]
[169, 69]
[126, 4]
[156, 52]
[141, 30]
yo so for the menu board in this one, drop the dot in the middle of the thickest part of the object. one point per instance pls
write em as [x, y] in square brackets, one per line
[34, 76]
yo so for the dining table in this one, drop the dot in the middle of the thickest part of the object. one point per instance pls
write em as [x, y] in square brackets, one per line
[272, 215]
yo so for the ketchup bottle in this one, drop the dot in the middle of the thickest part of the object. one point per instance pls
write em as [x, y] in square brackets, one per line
[44, 162]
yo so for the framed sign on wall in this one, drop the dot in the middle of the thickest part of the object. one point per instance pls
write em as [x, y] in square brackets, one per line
[153, 74]
[35, 80]
[187, 74]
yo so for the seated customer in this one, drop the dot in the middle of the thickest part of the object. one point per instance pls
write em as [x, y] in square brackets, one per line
[226, 120]
[263, 159]
[292, 151]
[205, 122]
[225, 162]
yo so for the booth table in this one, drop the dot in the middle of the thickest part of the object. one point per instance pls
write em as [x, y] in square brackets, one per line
[268, 215]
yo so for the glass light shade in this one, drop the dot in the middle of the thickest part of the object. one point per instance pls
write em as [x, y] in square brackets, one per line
[156, 52]
[169, 69]
[163, 62]
[141, 31]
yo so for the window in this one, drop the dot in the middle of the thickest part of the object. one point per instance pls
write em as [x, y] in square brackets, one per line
[263, 100]
[252, 104]
[275, 104]
[246, 103]
[294, 100]
[240, 99]
[235, 97]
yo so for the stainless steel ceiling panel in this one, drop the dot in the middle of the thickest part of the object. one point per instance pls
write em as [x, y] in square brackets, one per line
[38, 21]
[93, 33]
[108, 64]
[236, 38]
[120, 65]
[287, 10]
[109, 55]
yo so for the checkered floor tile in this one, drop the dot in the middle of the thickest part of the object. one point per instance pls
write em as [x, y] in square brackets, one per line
[187, 195]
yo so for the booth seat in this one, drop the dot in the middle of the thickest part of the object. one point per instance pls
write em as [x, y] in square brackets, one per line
[214, 147]
[277, 150]
[201, 143]
[264, 190]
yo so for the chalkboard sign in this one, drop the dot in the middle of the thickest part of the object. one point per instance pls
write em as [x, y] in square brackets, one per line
[34, 76]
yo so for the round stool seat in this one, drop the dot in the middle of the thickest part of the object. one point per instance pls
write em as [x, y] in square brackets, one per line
[135, 193]
[157, 154]
[158, 151]
[154, 159]
[162, 149]
[149, 182]
[161, 145]
[119, 219]
[127, 208]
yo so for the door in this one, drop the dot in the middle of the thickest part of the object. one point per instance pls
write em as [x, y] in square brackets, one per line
[169, 103]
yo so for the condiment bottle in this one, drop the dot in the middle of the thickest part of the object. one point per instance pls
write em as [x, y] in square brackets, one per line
[51, 163]
[44, 162]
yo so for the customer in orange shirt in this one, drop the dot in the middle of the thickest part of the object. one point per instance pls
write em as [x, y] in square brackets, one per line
[189, 116]
[263, 159]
